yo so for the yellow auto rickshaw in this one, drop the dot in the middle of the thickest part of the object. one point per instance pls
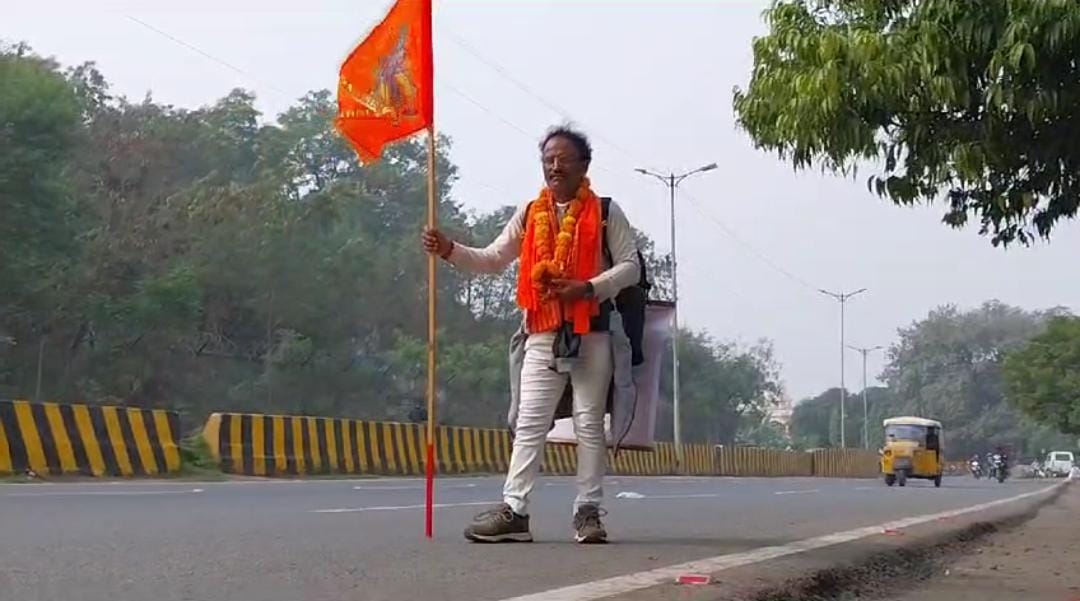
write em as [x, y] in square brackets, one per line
[914, 448]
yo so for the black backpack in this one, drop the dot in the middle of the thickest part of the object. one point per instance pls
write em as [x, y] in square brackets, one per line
[632, 300]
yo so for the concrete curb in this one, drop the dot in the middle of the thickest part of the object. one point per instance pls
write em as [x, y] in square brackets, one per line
[869, 567]
[89, 440]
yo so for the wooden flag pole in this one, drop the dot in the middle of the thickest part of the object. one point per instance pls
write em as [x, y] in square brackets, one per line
[432, 221]
[412, 57]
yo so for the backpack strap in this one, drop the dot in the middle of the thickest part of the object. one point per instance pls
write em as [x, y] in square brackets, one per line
[525, 216]
[605, 209]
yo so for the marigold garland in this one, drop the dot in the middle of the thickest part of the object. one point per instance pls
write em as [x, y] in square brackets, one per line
[554, 265]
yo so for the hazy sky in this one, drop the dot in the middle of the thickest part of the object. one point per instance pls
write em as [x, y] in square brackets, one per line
[651, 82]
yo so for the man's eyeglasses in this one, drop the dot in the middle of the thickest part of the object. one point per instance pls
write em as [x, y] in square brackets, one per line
[552, 161]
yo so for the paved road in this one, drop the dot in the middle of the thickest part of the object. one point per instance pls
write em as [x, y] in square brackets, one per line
[362, 540]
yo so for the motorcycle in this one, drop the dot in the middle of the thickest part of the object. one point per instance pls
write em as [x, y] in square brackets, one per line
[1038, 471]
[975, 468]
[999, 469]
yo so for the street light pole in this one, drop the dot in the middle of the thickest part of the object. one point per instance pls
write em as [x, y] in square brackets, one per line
[672, 181]
[842, 297]
[865, 351]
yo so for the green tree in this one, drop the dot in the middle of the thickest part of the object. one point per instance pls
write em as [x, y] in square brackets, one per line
[211, 259]
[763, 433]
[811, 420]
[40, 128]
[948, 366]
[490, 296]
[882, 404]
[815, 422]
[971, 102]
[722, 385]
[1043, 378]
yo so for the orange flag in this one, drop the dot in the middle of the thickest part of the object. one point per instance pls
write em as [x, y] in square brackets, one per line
[386, 87]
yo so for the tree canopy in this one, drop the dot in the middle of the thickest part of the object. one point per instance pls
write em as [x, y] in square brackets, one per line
[217, 259]
[815, 421]
[1043, 378]
[949, 366]
[973, 103]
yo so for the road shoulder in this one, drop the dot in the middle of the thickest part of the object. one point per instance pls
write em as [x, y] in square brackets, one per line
[873, 566]
[1035, 562]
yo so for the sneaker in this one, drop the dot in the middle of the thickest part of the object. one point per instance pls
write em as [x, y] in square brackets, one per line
[499, 525]
[587, 527]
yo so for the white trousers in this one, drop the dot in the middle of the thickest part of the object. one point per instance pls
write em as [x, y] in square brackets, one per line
[541, 389]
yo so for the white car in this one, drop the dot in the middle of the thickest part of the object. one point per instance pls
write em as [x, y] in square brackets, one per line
[1059, 463]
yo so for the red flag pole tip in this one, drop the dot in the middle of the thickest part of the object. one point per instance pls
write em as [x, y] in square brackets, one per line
[429, 508]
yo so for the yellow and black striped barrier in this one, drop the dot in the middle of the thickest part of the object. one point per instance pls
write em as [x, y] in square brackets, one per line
[635, 462]
[561, 459]
[757, 461]
[272, 445]
[59, 439]
[91, 440]
[846, 463]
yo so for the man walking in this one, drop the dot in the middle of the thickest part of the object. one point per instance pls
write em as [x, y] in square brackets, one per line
[567, 278]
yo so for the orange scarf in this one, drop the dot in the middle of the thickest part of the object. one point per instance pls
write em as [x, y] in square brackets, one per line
[567, 248]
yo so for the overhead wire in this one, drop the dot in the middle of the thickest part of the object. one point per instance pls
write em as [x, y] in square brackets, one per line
[205, 54]
[443, 82]
[522, 131]
[524, 87]
[746, 246]
[285, 94]
[496, 116]
[726, 229]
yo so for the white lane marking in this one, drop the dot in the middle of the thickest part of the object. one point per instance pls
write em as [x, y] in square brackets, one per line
[439, 486]
[104, 493]
[705, 495]
[680, 478]
[796, 492]
[400, 507]
[4, 486]
[618, 585]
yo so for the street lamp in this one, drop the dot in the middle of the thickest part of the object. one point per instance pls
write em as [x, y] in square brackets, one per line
[864, 351]
[843, 298]
[672, 181]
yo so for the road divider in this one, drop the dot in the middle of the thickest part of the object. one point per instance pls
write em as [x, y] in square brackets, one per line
[100, 440]
[845, 463]
[273, 445]
[90, 440]
[754, 461]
